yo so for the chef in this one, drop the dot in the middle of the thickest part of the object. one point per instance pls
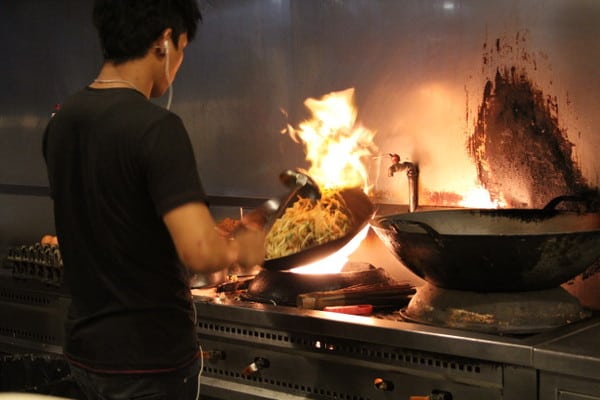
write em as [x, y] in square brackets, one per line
[130, 211]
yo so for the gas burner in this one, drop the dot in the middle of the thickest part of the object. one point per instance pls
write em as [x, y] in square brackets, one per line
[499, 313]
[283, 287]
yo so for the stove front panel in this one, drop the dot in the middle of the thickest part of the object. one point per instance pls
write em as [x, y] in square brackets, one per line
[253, 359]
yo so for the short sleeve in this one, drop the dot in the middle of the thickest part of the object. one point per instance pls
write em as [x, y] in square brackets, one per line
[170, 165]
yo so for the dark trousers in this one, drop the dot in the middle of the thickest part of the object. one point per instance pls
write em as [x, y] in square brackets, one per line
[178, 385]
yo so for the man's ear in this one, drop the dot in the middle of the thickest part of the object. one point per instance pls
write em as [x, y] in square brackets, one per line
[165, 40]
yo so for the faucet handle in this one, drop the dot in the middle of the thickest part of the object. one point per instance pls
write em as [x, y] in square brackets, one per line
[395, 158]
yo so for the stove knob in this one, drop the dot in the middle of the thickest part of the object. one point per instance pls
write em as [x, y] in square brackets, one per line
[383, 385]
[255, 366]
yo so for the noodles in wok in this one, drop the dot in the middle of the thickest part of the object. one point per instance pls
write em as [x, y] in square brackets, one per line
[308, 223]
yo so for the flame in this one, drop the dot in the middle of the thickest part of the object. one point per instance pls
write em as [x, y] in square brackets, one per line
[479, 198]
[336, 261]
[334, 142]
[335, 145]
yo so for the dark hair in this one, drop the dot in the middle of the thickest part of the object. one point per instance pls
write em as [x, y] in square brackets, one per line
[127, 28]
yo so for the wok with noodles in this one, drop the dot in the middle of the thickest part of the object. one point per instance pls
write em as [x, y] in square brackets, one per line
[312, 229]
[308, 223]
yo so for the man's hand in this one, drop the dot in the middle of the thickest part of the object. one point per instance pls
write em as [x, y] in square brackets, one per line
[251, 245]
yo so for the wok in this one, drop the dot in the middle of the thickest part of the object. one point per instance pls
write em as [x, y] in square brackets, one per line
[361, 210]
[493, 250]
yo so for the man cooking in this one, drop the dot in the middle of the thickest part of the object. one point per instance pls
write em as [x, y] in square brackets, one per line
[130, 211]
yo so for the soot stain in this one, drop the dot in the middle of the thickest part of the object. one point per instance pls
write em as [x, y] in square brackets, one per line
[522, 156]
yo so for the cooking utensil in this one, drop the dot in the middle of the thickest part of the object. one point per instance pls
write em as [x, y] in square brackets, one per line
[301, 185]
[490, 250]
[361, 210]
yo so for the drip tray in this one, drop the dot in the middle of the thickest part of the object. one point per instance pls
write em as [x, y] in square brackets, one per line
[500, 313]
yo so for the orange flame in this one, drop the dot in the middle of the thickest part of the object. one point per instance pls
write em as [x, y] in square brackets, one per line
[336, 261]
[335, 143]
[479, 198]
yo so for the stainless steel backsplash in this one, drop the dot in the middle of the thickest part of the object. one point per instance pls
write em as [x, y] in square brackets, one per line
[419, 69]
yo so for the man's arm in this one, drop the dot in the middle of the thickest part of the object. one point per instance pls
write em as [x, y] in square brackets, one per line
[203, 248]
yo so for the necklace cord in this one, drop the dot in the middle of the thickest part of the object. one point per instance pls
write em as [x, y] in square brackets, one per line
[109, 81]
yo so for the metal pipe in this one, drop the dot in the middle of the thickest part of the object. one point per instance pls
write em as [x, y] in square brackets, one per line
[412, 172]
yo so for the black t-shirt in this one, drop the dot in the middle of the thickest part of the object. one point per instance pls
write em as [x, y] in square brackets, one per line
[116, 164]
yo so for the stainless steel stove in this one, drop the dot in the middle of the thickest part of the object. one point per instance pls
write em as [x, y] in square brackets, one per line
[262, 351]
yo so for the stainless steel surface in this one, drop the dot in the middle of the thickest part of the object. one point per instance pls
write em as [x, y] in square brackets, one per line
[417, 67]
[569, 364]
[376, 331]
[33, 314]
[561, 387]
[259, 351]
[340, 355]
[576, 353]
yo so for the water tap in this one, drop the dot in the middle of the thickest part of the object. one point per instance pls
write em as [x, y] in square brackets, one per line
[412, 172]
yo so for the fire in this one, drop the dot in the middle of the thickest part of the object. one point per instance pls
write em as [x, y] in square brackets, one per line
[335, 143]
[479, 198]
[336, 261]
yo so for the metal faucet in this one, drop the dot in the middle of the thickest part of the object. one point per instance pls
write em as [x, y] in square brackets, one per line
[412, 172]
